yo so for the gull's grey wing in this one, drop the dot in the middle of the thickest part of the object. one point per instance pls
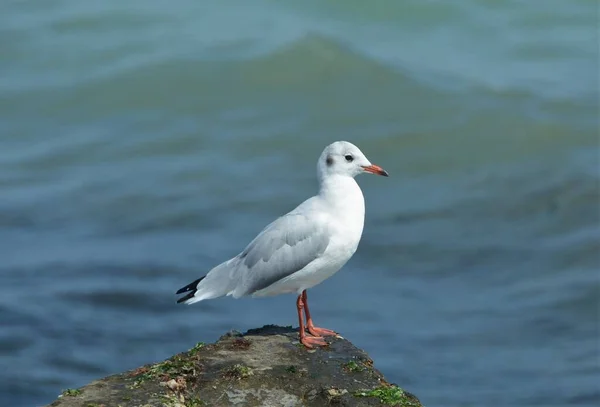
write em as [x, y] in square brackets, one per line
[284, 247]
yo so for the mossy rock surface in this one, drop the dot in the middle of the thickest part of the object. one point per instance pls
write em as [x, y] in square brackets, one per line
[264, 367]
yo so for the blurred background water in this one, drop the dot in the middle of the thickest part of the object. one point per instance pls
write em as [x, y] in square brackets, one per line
[143, 142]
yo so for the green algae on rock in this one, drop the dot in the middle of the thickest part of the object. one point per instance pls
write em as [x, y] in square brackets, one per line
[71, 393]
[262, 367]
[391, 395]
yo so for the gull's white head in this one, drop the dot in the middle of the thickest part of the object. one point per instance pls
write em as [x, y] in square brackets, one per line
[345, 159]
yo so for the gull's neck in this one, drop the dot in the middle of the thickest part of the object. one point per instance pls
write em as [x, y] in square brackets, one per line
[343, 194]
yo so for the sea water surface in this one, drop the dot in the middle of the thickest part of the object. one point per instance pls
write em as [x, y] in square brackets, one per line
[144, 142]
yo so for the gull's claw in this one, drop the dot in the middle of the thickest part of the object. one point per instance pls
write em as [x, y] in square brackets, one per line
[315, 331]
[312, 341]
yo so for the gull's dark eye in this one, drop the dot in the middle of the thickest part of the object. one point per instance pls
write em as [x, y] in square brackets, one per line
[349, 158]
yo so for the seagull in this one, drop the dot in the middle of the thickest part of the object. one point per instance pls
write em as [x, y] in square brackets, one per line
[302, 248]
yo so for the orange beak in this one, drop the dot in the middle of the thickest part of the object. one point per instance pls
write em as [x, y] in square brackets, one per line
[376, 169]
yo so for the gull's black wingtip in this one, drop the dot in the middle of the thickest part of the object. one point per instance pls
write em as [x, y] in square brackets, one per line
[187, 297]
[193, 287]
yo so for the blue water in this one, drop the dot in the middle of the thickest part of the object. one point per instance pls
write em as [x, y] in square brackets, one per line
[144, 142]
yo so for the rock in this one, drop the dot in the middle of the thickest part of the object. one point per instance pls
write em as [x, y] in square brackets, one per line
[263, 367]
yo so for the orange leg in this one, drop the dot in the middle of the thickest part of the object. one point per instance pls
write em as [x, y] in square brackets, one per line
[309, 323]
[308, 341]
